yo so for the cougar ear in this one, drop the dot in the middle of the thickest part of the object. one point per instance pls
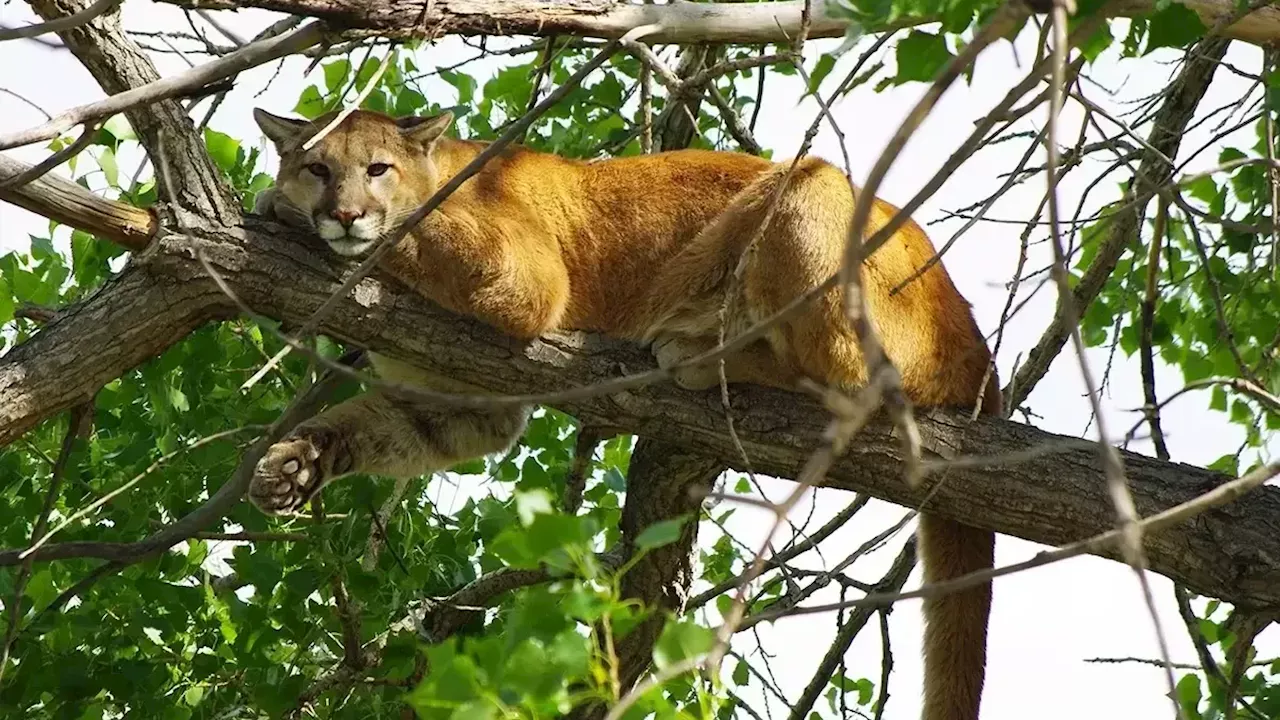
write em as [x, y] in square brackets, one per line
[425, 130]
[279, 130]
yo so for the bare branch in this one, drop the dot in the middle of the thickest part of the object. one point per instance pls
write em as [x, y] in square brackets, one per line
[742, 23]
[249, 56]
[892, 581]
[64, 23]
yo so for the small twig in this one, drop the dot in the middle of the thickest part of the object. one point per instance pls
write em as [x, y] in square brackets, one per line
[1117, 485]
[886, 662]
[1269, 65]
[222, 29]
[354, 104]
[62, 24]
[181, 84]
[733, 122]
[646, 108]
[26, 100]
[378, 531]
[1148, 321]
[835, 573]
[892, 581]
[835, 523]
[541, 73]
[37, 171]
[1215, 292]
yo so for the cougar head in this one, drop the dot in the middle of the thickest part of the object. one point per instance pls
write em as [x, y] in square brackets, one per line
[358, 181]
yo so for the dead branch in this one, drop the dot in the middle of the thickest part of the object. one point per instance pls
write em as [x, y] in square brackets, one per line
[249, 56]
[744, 23]
[64, 23]
[69, 204]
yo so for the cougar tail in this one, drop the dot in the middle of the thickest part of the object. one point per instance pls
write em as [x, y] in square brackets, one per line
[955, 637]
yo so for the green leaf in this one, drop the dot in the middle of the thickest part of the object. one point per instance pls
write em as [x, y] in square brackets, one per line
[310, 103]
[474, 466]
[1098, 41]
[820, 72]
[119, 127]
[920, 56]
[463, 83]
[1188, 690]
[336, 74]
[531, 503]
[107, 161]
[681, 640]
[1203, 189]
[1230, 154]
[222, 148]
[1175, 26]
[661, 533]
[741, 676]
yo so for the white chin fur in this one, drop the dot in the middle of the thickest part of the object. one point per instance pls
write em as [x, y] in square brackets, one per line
[355, 240]
[330, 229]
[351, 248]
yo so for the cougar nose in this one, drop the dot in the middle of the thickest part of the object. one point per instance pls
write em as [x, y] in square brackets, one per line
[346, 217]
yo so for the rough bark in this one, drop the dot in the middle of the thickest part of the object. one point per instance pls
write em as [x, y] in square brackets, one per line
[1232, 552]
[663, 482]
[64, 202]
[682, 22]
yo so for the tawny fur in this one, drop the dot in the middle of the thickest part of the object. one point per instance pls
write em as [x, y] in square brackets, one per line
[642, 248]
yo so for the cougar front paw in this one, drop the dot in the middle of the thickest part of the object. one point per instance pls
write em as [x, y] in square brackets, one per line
[672, 350]
[286, 477]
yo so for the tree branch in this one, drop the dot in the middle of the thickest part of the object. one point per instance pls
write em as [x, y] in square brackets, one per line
[892, 581]
[63, 23]
[745, 23]
[1053, 497]
[195, 78]
[70, 204]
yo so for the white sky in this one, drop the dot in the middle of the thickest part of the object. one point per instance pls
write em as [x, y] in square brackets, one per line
[1045, 622]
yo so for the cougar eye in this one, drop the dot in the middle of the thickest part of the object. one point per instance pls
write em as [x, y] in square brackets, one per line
[320, 170]
[377, 169]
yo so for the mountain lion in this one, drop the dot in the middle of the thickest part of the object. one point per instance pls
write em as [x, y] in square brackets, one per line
[641, 248]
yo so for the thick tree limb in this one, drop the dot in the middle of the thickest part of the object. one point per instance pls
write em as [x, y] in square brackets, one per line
[1232, 552]
[663, 482]
[69, 204]
[683, 22]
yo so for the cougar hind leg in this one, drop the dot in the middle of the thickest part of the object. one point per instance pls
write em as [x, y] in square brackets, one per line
[755, 364]
[928, 332]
